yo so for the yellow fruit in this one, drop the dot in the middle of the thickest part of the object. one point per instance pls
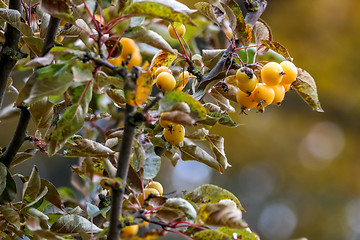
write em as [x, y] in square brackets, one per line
[279, 93]
[165, 82]
[174, 134]
[183, 80]
[165, 123]
[264, 95]
[129, 231]
[287, 87]
[147, 192]
[246, 79]
[290, 71]
[157, 186]
[272, 73]
[128, 47]
[161, 69]
[245, 100]
[135, 60]
[179, 29]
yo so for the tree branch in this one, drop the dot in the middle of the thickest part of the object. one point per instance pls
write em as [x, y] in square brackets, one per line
[10, 51]
[51, 33]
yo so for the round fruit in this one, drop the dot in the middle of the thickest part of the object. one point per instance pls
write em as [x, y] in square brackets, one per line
[128, 47]
[287, 87]
[290, 71]
[174, 134]
[147, 192]
[161, 69]
[245, 100]
[135, 60]
[157, 186]
[183, 80]
[279, 94]
[165, 82]
[129, 231]
[264, 95]
[165, 123]
[246, 79]
[272, 73]
[179, 29]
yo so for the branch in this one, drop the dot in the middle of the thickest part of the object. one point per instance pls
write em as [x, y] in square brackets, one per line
[51, 33]
[254, 11]
[10, 51]
[18, 137]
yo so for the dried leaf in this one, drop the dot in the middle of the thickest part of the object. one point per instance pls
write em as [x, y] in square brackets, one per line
[32, 186]
[262, 31]
[74, 224]
[54, 7]
[211, 57]
[40, 61]
[209, 193]
[212, 12]
[35, 44]
[277, 47]
[175, 208]
[87, 148]
[11, 216]
[13, 17]
[179, 117]
[42, 112]
[21, 157]
[305, 86]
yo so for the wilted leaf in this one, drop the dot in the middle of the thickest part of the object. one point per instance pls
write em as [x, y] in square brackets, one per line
[86, 167]
[277, 47]
[182, 205]
[217, 98]
[209, 193]
[92, 210]
[13, 17]
[167, 214]
[42, 112]
[179, 117]
[174, 97]
[53, 7]
[117, 95]
[211, 57]
[44, 234]
[212, 12]
[143, 87]
[82, 72]
[172, 156]
[161, 58]
[217, 117]
[52, 194]
[305, 86]
[220, 214]
[11, 216]
[134, 181]
[87, 148]
[22, 156]
[149, 37]
[243, 234]
[74, 224]
[32, 186]
[262, 31]
[211, 234]
[169, 10]
[71, 121]
[40, 61]
[34, 43]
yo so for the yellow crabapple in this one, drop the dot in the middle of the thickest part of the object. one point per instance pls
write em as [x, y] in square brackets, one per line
[245, 100]
[290, 71]
[179, 29]
[264, 95]
[129, 231]
[174, 134]
[162, 69]
[272, 73]
[157, 186]
[279, 94]
[165, 81]
[246, 79]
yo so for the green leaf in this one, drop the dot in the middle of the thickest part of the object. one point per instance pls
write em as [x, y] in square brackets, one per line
[92, 210]
[169, 10]
[152, 163]
[149, 37]
[32, 186]
[305, 86]
[174, 97]
[243, 234]
[209, 193]
[74, 224]
[212, 12]
[13, 17]
[221, 214]
[217, 117]
[82, 72]
[211, 234]
[277, 47]
[72, 120]
[11, 216]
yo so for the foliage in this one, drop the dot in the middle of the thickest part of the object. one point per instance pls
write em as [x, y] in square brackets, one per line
[89, 65]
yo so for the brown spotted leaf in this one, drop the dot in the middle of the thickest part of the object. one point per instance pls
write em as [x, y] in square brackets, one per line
[262, 30]
[305, 86]
[212, 12]
[277, 47]
[162, 58]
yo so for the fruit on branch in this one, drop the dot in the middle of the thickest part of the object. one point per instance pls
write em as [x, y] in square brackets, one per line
[272, 73]
[245, 100]
[182, 80]
[164, 123]
[246, 79]
[174, 134]
[179, 29]
[286, 87]
[147, 192]
[290, 71]
[264, 95]
[162, 69]
[129, 231]
[279, 94]
[157, 186]
[165, 81]
[129, 49]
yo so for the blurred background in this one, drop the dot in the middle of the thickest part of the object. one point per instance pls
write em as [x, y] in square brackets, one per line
[295, 171]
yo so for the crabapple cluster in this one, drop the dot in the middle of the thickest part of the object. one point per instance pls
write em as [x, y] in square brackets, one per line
[276, 80]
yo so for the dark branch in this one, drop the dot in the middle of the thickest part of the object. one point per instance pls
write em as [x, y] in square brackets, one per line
[18, 137]
[10, 51]
[51, 33]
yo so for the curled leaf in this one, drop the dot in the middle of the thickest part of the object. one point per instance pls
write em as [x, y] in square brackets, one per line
[212, 12]
[305, 86]
[179, 117]
[277, 47]
[74, 224]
